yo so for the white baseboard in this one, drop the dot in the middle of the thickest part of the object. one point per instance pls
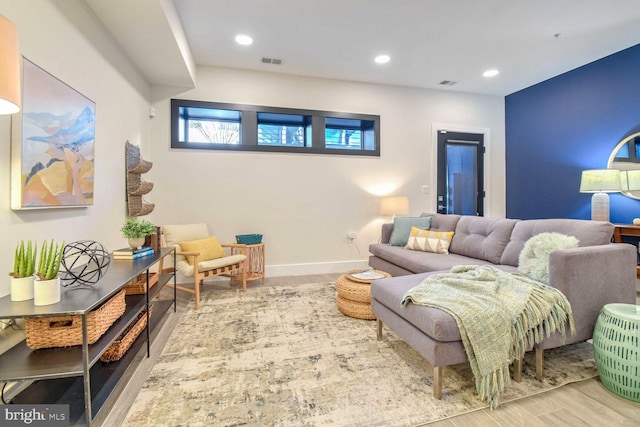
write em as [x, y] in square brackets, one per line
[300, 269]
[314, 268]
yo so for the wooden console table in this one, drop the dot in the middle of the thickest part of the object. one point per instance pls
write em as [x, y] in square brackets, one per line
[629, 230]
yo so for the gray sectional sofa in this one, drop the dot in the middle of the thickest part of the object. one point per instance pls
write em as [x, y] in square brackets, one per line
[595, 273]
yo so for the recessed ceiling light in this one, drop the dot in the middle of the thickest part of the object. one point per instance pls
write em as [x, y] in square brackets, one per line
[491, 73]
[243, 39]
[382, 59]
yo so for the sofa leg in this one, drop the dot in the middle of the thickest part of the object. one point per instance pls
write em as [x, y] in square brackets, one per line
[437, 382]
[517, 370]
[539, 364]
[379, 330]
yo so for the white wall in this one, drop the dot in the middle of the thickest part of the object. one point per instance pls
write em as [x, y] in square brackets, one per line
[305, 204]
[67, 40]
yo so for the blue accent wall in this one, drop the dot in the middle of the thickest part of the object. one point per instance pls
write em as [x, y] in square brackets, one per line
[564, 125]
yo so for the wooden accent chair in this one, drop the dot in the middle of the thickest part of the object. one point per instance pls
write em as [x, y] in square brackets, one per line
[200, 264]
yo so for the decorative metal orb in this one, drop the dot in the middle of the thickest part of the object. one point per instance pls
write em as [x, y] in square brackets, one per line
[83, 262]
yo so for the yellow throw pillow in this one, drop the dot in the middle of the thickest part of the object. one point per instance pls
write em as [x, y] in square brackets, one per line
[429, 241]
[209, 248]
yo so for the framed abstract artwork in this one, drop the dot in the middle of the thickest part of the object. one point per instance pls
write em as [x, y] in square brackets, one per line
[53, 144]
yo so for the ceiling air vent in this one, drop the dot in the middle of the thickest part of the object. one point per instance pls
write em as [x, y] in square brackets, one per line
[448, 83]
[274, 61]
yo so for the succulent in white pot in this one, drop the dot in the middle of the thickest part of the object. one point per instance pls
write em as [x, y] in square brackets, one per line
[22, 276]
[46, 287]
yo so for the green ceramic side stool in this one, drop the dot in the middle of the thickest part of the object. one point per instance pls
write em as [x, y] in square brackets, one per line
[616, 347]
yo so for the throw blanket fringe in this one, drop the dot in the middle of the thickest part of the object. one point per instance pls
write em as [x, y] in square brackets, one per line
[500, 316]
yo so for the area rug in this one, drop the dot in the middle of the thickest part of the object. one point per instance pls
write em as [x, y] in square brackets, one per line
[285, 356]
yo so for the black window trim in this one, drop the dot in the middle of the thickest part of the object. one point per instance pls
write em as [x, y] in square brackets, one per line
[248, 129]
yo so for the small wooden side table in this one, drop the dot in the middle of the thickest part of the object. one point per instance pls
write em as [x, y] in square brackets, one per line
[254, 262]
[630, 230]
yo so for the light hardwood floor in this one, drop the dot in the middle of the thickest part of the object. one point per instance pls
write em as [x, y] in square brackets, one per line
[587, 403]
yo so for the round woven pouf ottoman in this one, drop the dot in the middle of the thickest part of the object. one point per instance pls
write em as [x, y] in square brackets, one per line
[616, 348]
[354, 295]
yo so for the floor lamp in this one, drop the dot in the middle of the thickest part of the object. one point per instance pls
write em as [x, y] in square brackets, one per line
[600, 182]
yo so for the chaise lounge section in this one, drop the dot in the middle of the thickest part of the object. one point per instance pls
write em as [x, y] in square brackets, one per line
[595, 273]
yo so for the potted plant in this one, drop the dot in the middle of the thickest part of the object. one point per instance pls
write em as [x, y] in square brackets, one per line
[46, 287]
[23, 268]
[136, 231]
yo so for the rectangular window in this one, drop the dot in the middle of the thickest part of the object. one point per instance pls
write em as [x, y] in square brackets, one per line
[208, 125]
[349, 134]
[219, 126]
[288, 130]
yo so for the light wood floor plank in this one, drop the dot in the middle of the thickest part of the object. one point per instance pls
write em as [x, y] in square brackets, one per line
[597, 391]
[443, 423]
[565, 418]
[513, 414]
[475, 419]
[591, 411]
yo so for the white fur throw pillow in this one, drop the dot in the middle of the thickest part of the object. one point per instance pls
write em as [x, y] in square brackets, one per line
[534, 258]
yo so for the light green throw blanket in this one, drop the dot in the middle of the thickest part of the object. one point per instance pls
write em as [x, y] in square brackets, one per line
[500, 315]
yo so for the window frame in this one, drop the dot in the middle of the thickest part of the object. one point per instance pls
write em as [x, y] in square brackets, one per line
[249, 129]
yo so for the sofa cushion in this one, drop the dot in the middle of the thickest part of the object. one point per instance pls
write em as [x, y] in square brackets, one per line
[588, 233]
[402, 228]
[418, 261]
[385, 234]
[534, 257]
[436, 323]
[442, 222]
[482, 238]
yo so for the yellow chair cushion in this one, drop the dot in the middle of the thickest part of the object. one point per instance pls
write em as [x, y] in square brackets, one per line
[209, 248]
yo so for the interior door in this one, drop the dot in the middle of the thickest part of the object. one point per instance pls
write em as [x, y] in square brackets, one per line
[460, 173]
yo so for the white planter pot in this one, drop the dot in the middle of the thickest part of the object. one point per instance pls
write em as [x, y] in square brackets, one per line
[46, 292]
[22, 288]
[136, 242]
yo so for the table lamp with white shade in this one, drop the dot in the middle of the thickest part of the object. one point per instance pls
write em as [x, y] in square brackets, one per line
[395, 205]
[600, 182]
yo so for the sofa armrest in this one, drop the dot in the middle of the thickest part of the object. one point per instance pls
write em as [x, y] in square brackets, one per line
[591, 277]
[387, 229]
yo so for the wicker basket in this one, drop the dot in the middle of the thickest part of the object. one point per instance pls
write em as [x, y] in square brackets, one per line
[66, 331]
[249, 239]
[136, 186]
[120, 346]
[138, 285]
[137, 206]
